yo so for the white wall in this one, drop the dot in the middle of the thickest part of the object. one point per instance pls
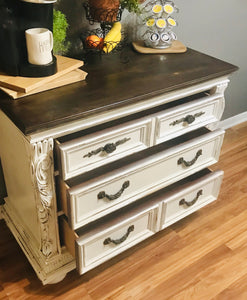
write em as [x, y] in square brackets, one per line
[219, 28]
[215, 27]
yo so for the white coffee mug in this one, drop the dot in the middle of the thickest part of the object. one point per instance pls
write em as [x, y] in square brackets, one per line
[39, 45]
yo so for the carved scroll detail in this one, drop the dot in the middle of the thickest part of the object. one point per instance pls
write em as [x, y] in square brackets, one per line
[220, 88]
[42, 168]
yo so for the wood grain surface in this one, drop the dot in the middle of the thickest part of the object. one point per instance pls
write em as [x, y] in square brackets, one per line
[176, 47]
[203, 256]
[114, 80]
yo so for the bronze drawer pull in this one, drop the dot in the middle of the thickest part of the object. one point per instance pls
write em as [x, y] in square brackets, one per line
[190, 163]
[107, 241]
[183, 202]
[108, 148]
[103, 194]
[188, 119]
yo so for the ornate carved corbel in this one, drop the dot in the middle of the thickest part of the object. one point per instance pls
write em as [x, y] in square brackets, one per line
[43, 174]
[220, 88]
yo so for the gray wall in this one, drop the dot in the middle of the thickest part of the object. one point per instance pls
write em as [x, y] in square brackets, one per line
[215, 27]
[219, 28]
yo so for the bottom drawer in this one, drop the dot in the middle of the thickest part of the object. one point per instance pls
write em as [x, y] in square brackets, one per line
[110, 237]
[190, 197]
[99, 241]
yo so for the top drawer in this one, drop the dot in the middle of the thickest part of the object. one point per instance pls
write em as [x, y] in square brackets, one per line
[88, 152]
[189, 116]
[85, 152]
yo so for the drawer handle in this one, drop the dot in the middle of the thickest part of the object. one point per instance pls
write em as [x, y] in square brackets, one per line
[188, 204]
[107, 241]
[188, 119]
[108, 148]
[190, 163]
[103, 194]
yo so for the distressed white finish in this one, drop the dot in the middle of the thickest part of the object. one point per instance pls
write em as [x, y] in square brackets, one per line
[205, 111]
[31, 206]
[76, 155]
[149, 217]
[91, 249]
[205, 191]
[30, 209]
[48, 270]
[42, 171]
[220, 87]
[145, 176]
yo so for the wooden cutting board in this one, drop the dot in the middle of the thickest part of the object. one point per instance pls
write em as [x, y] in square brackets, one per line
[27, 84]
[176, 47]
[71, 77]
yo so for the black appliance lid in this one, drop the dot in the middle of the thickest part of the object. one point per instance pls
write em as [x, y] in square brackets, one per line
[40, 1]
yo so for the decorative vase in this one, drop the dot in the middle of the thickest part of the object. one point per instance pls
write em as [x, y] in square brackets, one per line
[156, 23]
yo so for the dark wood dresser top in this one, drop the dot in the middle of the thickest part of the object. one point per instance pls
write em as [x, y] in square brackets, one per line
[113, 81]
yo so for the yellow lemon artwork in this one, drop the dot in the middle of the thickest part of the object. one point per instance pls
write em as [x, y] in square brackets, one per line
[171, 22]
[168, 8]
[150, 22]
[157, 8]
[161, 23]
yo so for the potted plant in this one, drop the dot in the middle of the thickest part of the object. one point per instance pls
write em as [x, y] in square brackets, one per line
[131, 5]
[107, 10]
[60, 26]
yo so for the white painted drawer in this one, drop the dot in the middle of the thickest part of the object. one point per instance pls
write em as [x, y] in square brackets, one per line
[96, 245]
[190, 197]
[85, 201]
[189, 116]
[88, 152]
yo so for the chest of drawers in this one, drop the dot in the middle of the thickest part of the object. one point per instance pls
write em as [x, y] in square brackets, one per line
[96, 167]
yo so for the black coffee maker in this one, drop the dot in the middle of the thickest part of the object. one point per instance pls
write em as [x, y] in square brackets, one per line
[15, 17]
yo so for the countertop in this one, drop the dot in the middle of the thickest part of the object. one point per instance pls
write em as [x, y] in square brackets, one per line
[113, 80]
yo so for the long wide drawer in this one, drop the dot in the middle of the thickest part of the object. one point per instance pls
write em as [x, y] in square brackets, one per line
[85, 201]
[113, 234]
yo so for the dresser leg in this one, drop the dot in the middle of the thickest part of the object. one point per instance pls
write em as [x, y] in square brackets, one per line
[57, 279]
[48, 270]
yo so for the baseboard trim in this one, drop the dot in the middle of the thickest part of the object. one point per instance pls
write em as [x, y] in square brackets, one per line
[233, 121]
